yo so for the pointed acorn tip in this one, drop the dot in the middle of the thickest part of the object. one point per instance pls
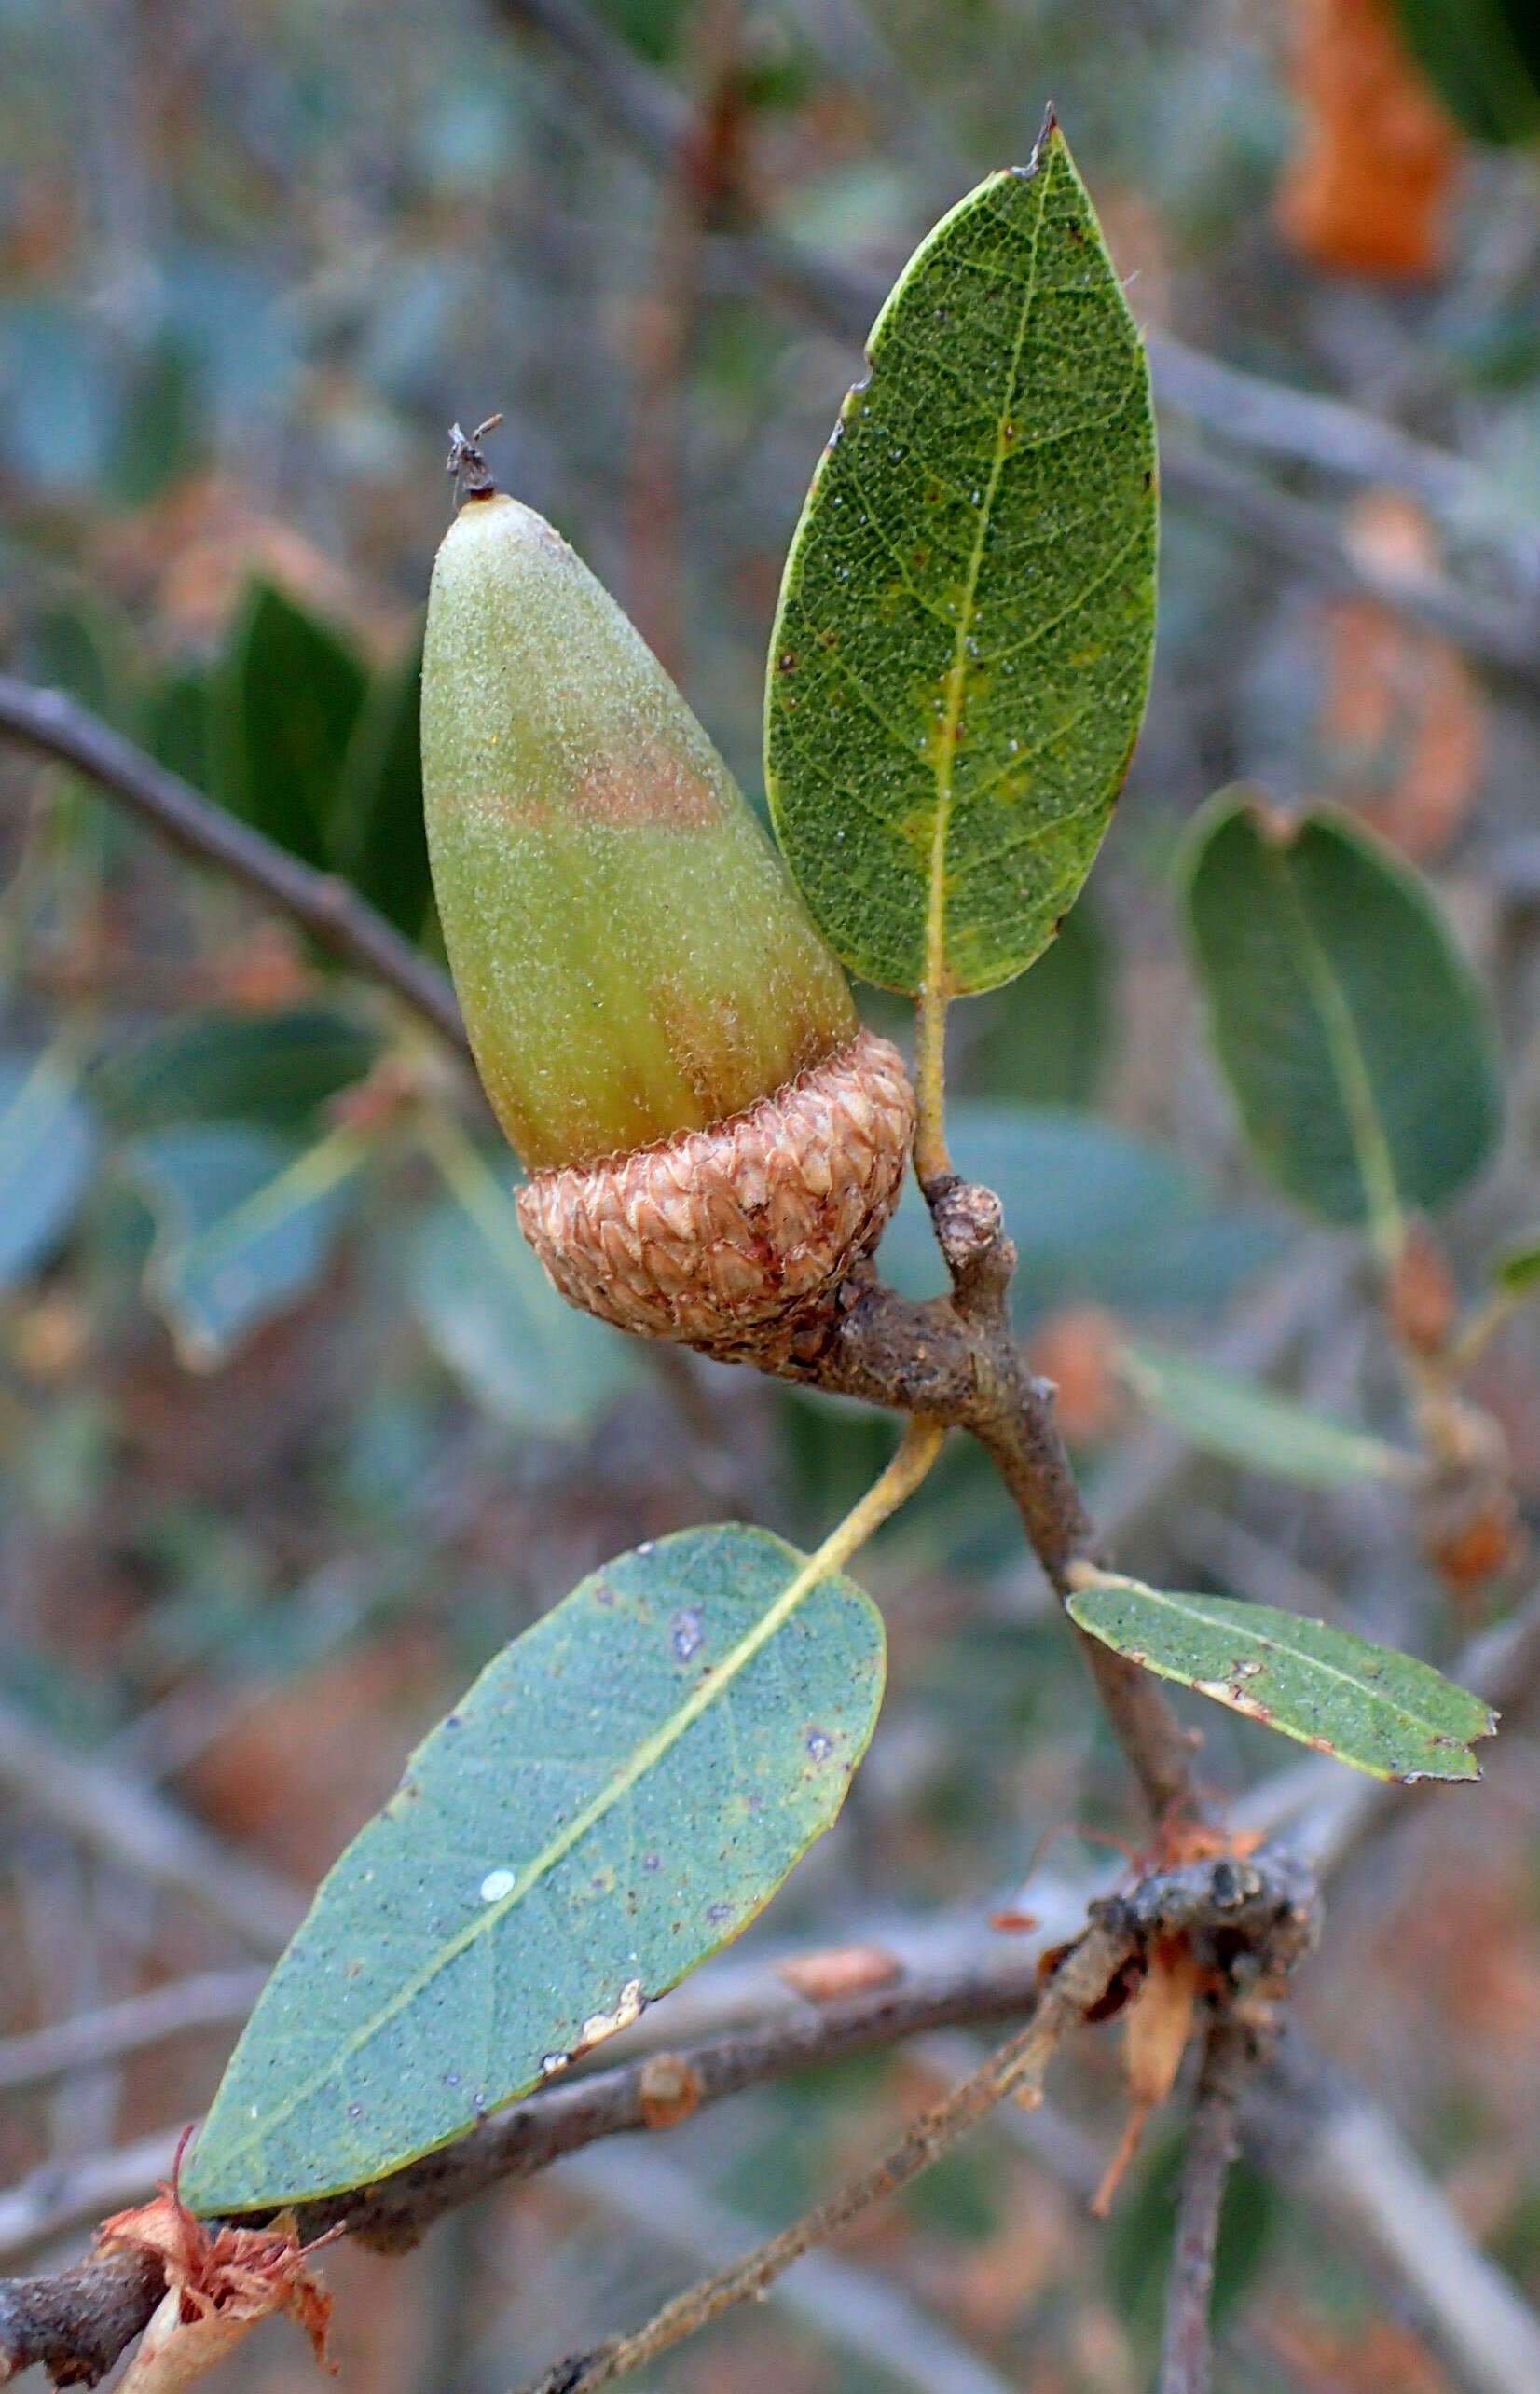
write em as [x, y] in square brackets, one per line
[466, 464]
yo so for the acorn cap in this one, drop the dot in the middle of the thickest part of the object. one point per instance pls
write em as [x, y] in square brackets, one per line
[728, 1238]
[633, 958]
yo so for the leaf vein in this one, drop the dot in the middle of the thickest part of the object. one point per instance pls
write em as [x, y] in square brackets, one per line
[935, 943]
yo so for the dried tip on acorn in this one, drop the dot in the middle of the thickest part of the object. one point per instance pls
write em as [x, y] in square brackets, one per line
[666, 1040]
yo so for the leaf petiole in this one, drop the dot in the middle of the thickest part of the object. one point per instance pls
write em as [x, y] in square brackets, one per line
[917, 1450]
[932, 1157]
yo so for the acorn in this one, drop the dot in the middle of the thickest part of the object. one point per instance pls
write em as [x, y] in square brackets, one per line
[712, 1139]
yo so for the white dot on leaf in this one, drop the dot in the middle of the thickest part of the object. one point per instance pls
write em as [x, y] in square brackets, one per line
[497, 1884]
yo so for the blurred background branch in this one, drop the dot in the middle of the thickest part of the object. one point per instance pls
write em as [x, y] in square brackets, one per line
[322, 904]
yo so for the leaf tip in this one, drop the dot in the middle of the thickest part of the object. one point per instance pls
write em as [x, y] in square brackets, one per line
[1279, 825]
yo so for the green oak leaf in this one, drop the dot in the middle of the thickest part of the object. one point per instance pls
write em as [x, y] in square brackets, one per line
[1517, 1270]
[1382, 1712]
[1483, 58]
[1354, 1039]
[619, 1794]
[246, 1222]
[47, 1147]
[962, 650]
[1223, 1415]
[284, 703]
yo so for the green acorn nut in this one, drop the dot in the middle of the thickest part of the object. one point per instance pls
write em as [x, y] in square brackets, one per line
[664, 1035]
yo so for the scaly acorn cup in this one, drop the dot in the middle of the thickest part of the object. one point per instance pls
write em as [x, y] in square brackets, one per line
[664, 1038]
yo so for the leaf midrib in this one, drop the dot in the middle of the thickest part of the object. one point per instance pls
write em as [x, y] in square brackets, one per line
[1370, 1146]
[304, 1182]
[1153, 1374]
[935, 925]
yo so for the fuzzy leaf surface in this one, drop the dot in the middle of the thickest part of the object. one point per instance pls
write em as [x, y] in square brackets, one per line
[621, 1792]
[962, 649]
[1383, 1713]
[1354, 1039]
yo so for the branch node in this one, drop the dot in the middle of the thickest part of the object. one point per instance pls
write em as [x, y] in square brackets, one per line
[970, 1227]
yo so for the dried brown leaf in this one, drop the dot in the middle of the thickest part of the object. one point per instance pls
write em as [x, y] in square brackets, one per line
[219, 2283]
[1158, 2023]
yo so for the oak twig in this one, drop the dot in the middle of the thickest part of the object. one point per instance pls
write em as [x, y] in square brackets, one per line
[78, 2322]
[1213, 2144]
[334, 915]
[1264, 1910]
[957, 1361]
[1235, 1904]
[108, 2309]
[395, 2212]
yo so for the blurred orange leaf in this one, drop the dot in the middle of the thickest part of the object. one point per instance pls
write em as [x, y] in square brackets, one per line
[1078, 1349]
[1369, 190]
[1403, 720]
[841, 1971]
